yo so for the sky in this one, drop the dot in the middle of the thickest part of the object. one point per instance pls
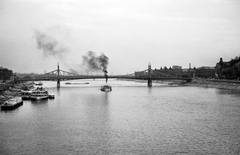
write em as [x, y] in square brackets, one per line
[36, 35]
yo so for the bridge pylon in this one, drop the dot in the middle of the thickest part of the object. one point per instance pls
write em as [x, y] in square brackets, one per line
[149, 75]
[58, 79]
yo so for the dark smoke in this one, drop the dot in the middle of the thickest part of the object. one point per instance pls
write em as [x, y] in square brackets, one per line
[49, 45]
[94, 62]
[103, 59]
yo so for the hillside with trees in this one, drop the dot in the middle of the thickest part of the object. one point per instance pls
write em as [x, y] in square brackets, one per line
[228, 70]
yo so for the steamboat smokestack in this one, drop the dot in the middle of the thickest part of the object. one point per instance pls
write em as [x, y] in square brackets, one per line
[105, 74]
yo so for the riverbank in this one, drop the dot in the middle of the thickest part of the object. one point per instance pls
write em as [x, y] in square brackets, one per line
[14, 90]
[220, 84]
[206, 83]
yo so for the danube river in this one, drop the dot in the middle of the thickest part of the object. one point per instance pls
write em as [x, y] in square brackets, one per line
[132, 119]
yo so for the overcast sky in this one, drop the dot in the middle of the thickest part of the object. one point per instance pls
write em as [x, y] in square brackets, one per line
[130, 32]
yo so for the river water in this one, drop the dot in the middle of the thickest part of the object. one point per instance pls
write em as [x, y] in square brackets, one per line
[132, 119]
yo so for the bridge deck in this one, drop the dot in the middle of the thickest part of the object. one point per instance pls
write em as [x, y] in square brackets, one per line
[43, 78]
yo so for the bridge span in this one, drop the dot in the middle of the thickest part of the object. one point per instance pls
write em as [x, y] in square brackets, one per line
[64, 78]
[60, 75]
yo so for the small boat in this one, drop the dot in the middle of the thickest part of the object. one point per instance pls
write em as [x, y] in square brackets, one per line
[12, 103]
[106, 88]
[51, 96]
[39, 94]
[26, 94]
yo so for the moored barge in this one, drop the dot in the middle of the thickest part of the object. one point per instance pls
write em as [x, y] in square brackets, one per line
[12, 103]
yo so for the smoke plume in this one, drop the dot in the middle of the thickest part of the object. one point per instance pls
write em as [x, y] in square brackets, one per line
[94, 62]
[50, 45]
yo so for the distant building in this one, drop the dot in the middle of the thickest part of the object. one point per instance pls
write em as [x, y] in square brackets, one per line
[5, 74]
[160, 73]
[206, 67]
[205, 72]
[26, 75]
[178, 71]
[176, 67]
[167, 72]
[142, 74]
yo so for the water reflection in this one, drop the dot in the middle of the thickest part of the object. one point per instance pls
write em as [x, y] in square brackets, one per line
[58, 91]
[11, 111]
[149, 90]
[39, 104]
[106, 97]
[95, 122]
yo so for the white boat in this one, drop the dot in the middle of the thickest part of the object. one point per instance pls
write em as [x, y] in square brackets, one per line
[26, 94]
[12, 103]
[106, 88]
[39, 94]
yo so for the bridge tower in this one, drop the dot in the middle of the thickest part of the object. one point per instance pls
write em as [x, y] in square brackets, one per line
[58, 79]
[149, 75]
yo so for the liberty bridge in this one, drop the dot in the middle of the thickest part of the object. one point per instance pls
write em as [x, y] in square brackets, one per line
[61, 75]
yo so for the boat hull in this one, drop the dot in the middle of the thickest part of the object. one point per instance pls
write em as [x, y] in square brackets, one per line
[51, 96]
[39, 98]
[26, 97]
[11, 107]
[106, 88]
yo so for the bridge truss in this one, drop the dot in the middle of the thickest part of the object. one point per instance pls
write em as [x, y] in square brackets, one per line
[58, 72]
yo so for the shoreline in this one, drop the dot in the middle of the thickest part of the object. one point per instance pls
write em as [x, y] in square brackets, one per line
[205, 83]
[219, 84]
[14, 90]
